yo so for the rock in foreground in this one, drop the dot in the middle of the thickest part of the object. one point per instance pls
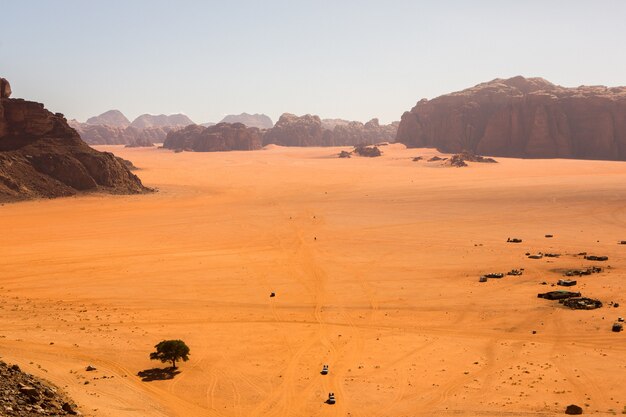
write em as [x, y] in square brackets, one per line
[42, 156]
[522, 118]
[26, 396]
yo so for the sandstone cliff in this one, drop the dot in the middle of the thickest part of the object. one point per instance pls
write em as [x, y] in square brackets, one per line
[309, 130]
[220, 137]
[42, 156]
[519, 117]
[251, 120]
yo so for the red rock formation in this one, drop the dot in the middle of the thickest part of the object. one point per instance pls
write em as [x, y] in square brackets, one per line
[519, 117]
[220, 137]
[42, 156]
[309, 130]
[291, 130]
[5, 88]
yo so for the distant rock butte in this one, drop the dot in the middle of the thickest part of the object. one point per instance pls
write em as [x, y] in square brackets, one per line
[220, 137]
[250, 120]
[309, 130]
[148, 120]
[522, 117]
[42, 156]
[113, 118]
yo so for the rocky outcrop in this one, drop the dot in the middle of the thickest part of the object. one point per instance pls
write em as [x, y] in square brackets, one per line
[5, 88]
[519, 117]
[42, 156]
[173, 120]
[291, 130]
[220, 137]
[309, 130]
[23, 395]
[113, 118]
[251, 120]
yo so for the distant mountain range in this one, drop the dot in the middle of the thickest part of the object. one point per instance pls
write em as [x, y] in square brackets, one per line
[250, 120]
[113, 128]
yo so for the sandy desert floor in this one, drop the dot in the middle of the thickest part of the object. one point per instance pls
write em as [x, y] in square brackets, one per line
[375, 265]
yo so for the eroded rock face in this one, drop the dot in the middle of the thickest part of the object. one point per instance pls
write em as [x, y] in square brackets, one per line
[519, 117]
[42, 156]
[292, 130]
[220, 137]
[309, 130]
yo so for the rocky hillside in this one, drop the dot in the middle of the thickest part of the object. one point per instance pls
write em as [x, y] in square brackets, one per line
[251, 120]
[114, 118]
[520, 117]
[220, 137]
[42, 156]
[23, 395]
[309, 130]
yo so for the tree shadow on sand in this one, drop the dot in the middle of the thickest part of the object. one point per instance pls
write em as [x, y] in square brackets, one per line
[158, 374]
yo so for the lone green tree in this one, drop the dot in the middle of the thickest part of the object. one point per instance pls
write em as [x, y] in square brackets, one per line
[171, 351]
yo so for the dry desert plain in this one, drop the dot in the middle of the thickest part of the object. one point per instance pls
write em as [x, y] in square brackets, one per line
[375, 265]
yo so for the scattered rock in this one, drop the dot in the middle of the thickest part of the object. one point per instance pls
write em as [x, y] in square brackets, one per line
[344, 154]
[573, 409]
[90, 368]
[368, 151]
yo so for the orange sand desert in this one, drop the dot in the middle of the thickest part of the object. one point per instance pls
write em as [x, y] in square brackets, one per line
[375, 265]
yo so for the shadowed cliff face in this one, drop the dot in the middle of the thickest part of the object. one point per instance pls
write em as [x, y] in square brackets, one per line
[525, 118]
[41, 156]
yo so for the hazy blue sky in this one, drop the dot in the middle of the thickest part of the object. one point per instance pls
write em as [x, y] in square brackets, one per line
[349, 59]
